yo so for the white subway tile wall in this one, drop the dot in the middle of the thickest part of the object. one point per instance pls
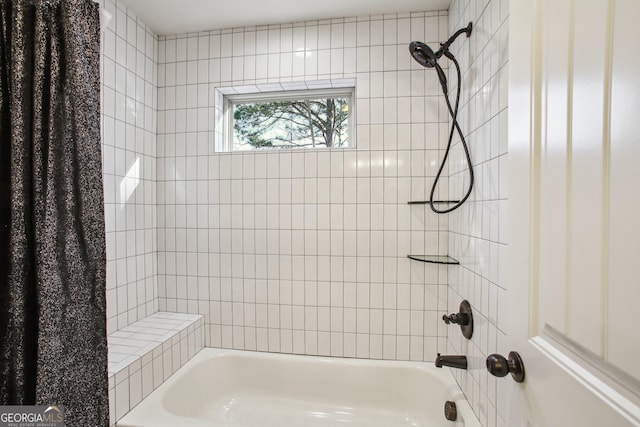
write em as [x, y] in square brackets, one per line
[305, 251]
[477, 231]
[129, 120]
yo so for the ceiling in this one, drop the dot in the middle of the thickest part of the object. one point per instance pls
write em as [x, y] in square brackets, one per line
[183, 16]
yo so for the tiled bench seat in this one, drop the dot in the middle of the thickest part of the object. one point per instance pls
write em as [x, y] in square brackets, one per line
[144, 354]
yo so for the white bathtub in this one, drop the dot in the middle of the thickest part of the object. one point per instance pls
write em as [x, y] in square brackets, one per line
[233, 388]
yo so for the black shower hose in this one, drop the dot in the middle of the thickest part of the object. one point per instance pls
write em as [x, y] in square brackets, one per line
[454, 126]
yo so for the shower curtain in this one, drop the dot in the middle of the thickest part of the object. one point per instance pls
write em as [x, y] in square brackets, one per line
[52, 243]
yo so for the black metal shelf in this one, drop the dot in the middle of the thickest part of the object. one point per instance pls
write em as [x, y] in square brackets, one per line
[434, 259]
[435, 202]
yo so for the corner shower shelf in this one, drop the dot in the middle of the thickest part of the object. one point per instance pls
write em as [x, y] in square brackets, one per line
[435, 202]
[434, 259]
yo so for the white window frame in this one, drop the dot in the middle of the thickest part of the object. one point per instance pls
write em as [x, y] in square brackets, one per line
[226, 98]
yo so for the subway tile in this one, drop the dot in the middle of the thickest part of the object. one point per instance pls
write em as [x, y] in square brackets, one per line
[334, 223]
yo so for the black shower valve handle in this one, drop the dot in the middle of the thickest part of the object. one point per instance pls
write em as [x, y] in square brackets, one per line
[456, 318]
[464, 318]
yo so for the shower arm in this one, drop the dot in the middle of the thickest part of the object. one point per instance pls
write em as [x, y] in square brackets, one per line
[444, 47]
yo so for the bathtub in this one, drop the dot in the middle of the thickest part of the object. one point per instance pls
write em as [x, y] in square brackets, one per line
[233, 388]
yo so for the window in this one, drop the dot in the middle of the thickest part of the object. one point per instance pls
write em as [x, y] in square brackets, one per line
[287, 119]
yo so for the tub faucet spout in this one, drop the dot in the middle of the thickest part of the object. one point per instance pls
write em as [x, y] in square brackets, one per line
[459, 362]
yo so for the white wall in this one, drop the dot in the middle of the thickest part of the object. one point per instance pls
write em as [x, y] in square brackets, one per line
[129, 98]
[477, 231]
[305, 251]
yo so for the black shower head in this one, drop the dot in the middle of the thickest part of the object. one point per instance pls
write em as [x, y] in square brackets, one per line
[423, 54]
[426, 57]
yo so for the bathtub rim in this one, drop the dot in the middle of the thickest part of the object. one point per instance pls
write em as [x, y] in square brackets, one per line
[155, 399]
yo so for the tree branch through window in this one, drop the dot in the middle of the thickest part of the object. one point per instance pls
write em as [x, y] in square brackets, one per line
[292, 123]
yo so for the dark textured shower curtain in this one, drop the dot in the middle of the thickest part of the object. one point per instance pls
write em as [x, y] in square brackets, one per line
[52, 250]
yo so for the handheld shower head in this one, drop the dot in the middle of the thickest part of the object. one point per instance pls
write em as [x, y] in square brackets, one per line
[423, 54]
[426, 57]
